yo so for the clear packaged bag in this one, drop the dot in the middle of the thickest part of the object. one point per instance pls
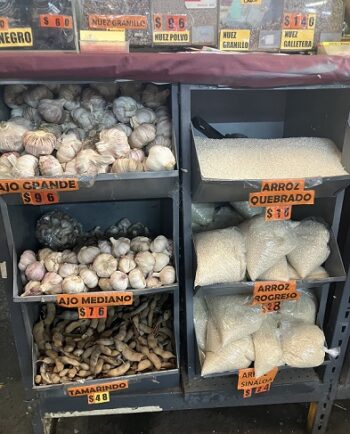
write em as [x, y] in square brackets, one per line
[246, 210]
[302, 310]
[318, 273]
[278, 272]
[200, 319]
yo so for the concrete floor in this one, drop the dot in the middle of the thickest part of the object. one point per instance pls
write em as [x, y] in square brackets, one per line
[249, 420]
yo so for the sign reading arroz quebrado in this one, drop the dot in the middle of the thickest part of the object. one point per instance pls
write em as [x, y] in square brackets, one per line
[110, 298]
[92, 391]
[9, 186]
[248, 382]
[275, 292]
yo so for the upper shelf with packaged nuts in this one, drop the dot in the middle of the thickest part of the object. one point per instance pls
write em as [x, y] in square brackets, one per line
[107, 140]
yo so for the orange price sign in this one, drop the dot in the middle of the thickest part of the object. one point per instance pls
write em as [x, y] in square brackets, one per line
[276, 213]
[95, 299]
[248, 382]
[42, 197]
[176, 23]
[299, 21]
[4, 23]
[271, 307]
[270, 292]
[97, 393]
[56, 21]
[92, 312]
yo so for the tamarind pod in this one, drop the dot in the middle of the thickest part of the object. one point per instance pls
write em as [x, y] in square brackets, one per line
[121, 370]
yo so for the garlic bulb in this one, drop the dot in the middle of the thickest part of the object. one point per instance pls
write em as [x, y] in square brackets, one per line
[83, 118]
[92, 100]
[161, 261]
[67, 269]
[69, 92]
[124, 108]
[43, 253]
[137, 279]
[104, 246]
[54, 129]
[53, 261]
[68, 147]
[25, 166]
[69, 168]
[159, 141]
[11, 136]
[105, 284]
[27, 258]
[124, 165]
[87, 255]
[160, 158]
[113, 142]
[50, 282]
[143, 116]
[88, 162]
[125, 128]
[32, 288]
[164, 128]
[140, 244]
[17, 112]
[32, 115]
[153, 96]
[119, 281]
[107, 90]
[35, 271]
[167, 275]
[69, 257]
[137, 155]
[39, 142]
[54, 87]
[51, 111]
[131, 88]
[50, 166]
[13, 95]
[142, 135]
[126, 264]
[120, 247]
[34, 95]
[73, 285]
[145, 262]
[162, 112]
[159, 244]
[104, 119]
[22, 122]
[89, 277]
[153, 282]
[104, 265]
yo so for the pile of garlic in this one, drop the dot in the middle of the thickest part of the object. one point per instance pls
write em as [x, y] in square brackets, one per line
[114, 265]
[71, 129]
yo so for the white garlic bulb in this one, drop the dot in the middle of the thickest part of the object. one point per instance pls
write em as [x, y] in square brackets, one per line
[159, 141]
[88, 162]
[104, 246]
[161, 261]
[124, 108]
[32, 288]
[53, 261]
[50, 166]
[125, 165]
[107, 90]
[35, 271]
[13, 95]
[89, 277]
[51, 111]
[137, 279]
[143, 116]
[69, 168]
[34, 95]
[67, 269]
[104, 119]
[73, 285]
[104, 265]
[69, 92]
[50, 282]
[159, 159]
[119, 281]
[88, 254]
[159, 244]
[39, 142]
[120, 247]
[164, 128]
[83, 118]
[32, 114]
[140, 244]
[162, 112]
[154, 96]
[113, 142]
[167, 275]
[25, 166]
[22, 122]
[126, 264]
[68, 147]
[137, 155]
[142, 135]
[92, 100]
[145, 262]
[105, 284]
[11, 136]
[153, 282]
[125, 128]
[27, 258]
[43, 253]
[69, 257]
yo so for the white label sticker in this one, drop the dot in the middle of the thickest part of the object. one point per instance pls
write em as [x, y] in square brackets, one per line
[200, 4]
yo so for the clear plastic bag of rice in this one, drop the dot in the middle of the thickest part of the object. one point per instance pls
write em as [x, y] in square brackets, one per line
[293, 275]
[246, 210]
[202, 214]
[235, 355]
[303, 310]
[234, 316]
[278, 272]
[220, 256]
[302, 344]
[318, 274]
[312, 248]
[200, 319]
[267, 243]
[224, 217]
[267, 346]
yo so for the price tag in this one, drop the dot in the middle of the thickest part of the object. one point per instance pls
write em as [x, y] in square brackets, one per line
[234, 40]
[4, 23]
[56, 21]
[249, 383]
[23, 185]
[271, 307]
[95, 299]
[98, 398]
[276, 213]
[271, 292]
[299, 21]
[92, 312]
[298, 31]
[97, 389]
[118, 22]
[43, 197]
[169, 38]
[176, 23]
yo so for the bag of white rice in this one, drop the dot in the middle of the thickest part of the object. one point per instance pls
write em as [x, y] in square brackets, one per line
[302, 344]
[318, 274]
[267, 243]
[303, 310]
[235, 355]
[200, 319]
[267, 346]
[234, 316]
[293, 275]
[213, 340]
[278, 272]
[220, 256]
[312, 248]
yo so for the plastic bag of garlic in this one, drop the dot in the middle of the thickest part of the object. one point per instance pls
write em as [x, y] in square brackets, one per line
[72, 129]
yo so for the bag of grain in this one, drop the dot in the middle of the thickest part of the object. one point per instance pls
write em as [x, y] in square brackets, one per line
[246, 210]
[302, 310]
[234, 316]
[200, 319]
[312, 248]
[267, 346]
[278, 272]
[302, 344]
[318, 274]
[293, 275]
[202, 215]
[220, 256]
[267, 243]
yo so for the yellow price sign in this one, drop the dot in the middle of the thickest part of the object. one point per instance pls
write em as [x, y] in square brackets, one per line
[98, 398]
